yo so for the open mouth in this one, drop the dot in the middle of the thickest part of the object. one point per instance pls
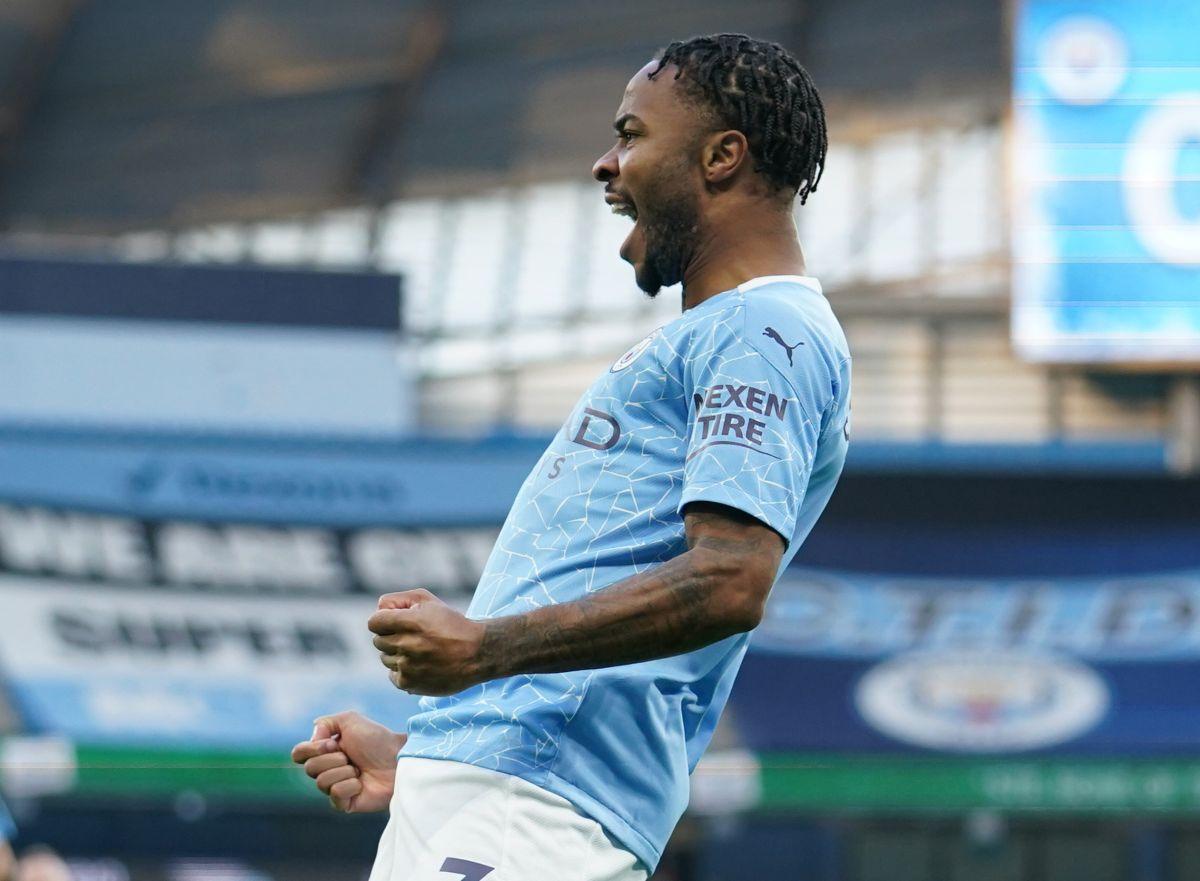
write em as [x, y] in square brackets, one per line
[625, 209]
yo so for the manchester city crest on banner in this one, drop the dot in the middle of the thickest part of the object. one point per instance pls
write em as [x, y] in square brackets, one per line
[982, 702]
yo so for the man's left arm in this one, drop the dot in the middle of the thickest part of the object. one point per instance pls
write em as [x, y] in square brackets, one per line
[715, 589]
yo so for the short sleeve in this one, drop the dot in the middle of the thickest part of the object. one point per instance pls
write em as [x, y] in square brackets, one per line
[752, 437]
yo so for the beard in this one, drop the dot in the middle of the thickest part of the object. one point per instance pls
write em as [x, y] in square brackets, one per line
[669, 216]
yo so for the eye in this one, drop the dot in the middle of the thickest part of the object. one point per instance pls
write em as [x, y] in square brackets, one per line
[626, 136]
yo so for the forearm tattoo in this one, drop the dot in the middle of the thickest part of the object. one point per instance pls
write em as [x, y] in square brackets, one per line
[694, 600]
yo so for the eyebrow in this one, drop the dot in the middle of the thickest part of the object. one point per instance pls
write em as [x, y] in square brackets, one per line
[622, 120]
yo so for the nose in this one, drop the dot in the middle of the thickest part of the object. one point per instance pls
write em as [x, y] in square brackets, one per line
[606, 167]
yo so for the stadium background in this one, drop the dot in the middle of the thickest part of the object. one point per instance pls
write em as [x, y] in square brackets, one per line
[293, 294]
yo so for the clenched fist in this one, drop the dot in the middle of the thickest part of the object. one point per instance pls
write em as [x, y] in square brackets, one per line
[353, 761]
[430, 648]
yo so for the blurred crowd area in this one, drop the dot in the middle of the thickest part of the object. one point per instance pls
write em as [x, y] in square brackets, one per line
[292, 296]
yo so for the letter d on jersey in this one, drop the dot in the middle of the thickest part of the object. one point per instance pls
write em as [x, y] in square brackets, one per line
[613, 435]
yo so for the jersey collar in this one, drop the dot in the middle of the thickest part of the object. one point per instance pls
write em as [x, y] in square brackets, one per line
[716, 299]
[807, 280]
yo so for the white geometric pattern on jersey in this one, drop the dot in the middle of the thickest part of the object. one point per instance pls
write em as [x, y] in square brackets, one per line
[623, 503]
[772, 375]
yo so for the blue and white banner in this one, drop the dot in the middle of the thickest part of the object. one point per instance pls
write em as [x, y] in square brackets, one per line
[265, 479]
[1106, 181]
[129, 666]
[881, 664]
[215, 590]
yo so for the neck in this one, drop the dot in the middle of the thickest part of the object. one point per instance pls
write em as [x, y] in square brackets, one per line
[735, 249]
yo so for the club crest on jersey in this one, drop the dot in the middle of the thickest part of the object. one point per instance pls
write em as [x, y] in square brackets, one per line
[634, 353]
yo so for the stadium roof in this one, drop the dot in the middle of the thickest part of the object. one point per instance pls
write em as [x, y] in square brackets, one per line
[135, 113]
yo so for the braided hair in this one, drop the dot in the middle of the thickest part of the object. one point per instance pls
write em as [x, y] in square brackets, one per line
[759, 89]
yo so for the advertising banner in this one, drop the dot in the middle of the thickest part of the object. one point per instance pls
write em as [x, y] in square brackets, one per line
[266, 480]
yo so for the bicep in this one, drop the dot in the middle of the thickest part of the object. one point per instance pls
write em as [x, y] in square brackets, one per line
[738, 556]
[733, 533]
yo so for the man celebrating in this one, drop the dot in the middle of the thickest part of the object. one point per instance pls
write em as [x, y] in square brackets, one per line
[571, 703]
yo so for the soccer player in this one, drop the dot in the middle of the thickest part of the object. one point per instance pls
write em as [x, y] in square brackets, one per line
[566, 710]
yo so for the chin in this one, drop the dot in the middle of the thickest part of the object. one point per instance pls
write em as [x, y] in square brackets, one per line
[646, 280]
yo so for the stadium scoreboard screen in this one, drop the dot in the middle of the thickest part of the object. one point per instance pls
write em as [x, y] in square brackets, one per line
[1105, 168]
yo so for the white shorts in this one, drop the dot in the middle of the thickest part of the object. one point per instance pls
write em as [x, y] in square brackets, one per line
[451, 821]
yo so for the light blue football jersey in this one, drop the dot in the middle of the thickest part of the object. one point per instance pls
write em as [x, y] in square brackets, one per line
[742, 400]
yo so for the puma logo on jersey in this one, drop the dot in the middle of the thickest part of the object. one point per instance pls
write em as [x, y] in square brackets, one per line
[774, 334]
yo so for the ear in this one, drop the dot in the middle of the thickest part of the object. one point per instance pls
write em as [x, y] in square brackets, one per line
[724, 154]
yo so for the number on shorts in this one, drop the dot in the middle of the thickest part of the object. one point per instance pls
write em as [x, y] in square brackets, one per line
[470, 871]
